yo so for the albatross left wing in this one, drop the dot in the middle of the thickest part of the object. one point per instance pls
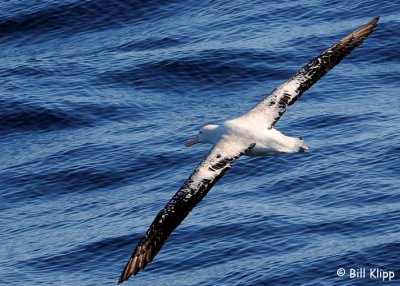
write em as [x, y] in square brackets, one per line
[271, 108]
[196, 187]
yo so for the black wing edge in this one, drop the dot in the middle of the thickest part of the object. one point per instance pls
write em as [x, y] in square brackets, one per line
[326, 61]
[174, 212]
[280, 98]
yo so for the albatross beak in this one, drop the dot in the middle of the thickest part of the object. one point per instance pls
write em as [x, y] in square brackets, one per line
[192, 141]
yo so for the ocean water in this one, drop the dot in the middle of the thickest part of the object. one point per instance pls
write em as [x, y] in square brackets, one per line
[98, 97]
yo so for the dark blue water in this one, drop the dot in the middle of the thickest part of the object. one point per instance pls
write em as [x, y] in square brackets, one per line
[97, 98]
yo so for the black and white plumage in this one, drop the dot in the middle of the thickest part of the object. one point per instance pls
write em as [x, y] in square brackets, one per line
[251, 134]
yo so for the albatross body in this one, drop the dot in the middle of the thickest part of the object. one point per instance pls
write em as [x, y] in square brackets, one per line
[241, 130]
[252, 134]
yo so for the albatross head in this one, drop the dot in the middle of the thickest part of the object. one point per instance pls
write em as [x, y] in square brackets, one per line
[207, 134]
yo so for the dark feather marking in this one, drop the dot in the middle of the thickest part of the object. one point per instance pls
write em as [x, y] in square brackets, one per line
[315, 70]
[190, 194]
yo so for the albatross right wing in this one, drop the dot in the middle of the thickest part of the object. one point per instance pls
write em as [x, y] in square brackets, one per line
[196, 187]
[271, 108]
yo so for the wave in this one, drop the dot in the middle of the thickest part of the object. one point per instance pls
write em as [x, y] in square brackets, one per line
[82, 256]
[23, 116]
[77, 16]
[68, 174]
[329, 120]
[204, 69]
[18, 116]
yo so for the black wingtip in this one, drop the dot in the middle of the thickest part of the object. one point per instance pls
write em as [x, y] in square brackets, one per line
[121, 279]
[125, 274]
[367, 28]
[374, 22]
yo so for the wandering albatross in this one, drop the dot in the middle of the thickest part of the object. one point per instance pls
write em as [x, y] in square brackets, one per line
[252, 134]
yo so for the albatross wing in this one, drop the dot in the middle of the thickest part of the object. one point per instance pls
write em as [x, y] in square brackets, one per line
[271, 108]
[196, 187]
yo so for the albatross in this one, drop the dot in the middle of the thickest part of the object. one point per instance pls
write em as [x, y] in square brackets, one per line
[252, 134]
